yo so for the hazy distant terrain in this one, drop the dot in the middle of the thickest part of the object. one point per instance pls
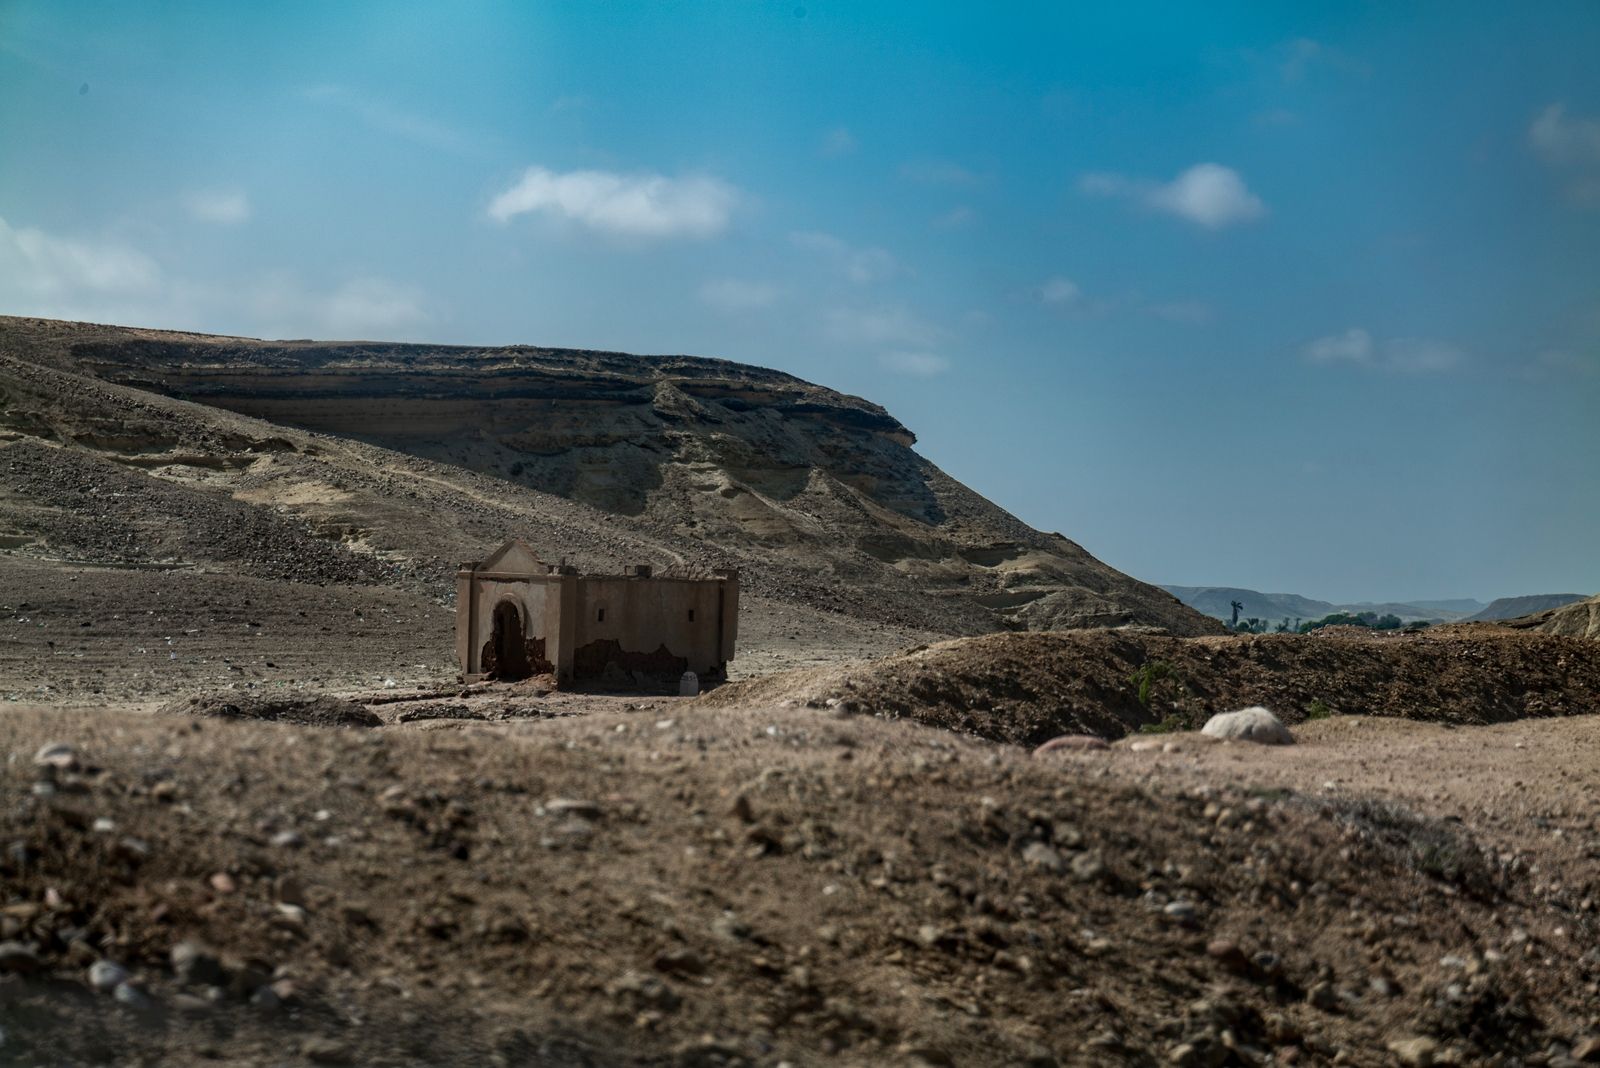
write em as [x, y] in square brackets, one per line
[1217, 601]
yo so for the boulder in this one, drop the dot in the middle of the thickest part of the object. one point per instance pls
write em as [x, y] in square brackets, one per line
[1253, 724]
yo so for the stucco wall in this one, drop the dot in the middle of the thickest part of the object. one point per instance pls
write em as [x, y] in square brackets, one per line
[642, 615]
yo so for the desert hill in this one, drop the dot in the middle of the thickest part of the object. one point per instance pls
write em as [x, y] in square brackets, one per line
[390, 463]
[1516, 607]
[1579, 619]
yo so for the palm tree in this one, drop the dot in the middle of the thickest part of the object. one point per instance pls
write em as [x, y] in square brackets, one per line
[1238, 606]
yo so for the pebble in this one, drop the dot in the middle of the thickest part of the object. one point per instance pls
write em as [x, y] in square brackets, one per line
[223, 883]
[1088, 866]
[567, 806]
[1414, 1051]
[196, 967]
[1043, 855]
[1071, 743]
[319, 1050]
[56, 755]
[18, 958]
[105, 976]
[1587, 1050]
[288, 840]
[131, 996]
[1182, 913]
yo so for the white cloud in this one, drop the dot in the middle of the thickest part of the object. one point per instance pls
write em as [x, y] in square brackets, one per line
[42, 266]
[888, 325]
[1571, 148]
[1210, 195]
[738, 294]
[838, 142]
[1352, 346]
[1405, 355]
[1207, 194]
[1057, 291]
[369, 304]
[627, 205]
[939, 172]
[859, 264]
[225, 207]
[916, 364]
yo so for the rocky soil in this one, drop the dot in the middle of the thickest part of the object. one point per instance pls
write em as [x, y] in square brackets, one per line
[656, 881]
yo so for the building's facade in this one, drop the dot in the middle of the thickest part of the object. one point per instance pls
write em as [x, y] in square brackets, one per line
[517, 616]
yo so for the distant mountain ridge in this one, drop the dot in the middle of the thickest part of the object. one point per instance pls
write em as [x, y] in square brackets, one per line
[1217, 601]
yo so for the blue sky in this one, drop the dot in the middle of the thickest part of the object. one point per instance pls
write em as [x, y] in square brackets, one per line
[1292, 297]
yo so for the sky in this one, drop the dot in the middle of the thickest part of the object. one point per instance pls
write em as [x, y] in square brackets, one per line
[1292, 297]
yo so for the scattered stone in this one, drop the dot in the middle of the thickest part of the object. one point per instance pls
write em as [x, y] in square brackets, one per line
[288, 839]
[1414, 1051]
[321, 1050]
[131, 996]
[19, 959]
[1228, 954]
[58, 755]
[1043, 855]
[566, 806]
[196, 967]
[105, 976]
[1071, 743]
[1182, 913]
[223, 883]
[1087, 867]
[1254, 724]
[1586, 1050]
[1322, 996]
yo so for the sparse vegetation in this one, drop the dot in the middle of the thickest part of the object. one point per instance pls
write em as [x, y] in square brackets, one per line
[1173, 722]
[1318, 709]
[1144, 680]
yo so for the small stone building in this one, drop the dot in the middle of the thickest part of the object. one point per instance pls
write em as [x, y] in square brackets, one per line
[517, 616]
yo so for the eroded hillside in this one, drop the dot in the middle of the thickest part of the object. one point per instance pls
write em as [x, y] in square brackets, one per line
[422, 455]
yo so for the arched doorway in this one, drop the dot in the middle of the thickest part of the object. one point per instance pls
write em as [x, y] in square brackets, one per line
[508, 640]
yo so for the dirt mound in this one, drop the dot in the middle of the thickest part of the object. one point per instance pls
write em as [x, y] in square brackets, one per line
[1028, 688]
[753, 887]
[311, 710]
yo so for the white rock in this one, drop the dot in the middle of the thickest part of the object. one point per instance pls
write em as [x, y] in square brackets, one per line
[105, 976]
[1253, 724]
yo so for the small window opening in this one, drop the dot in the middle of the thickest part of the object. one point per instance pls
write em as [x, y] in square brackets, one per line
[601, 616]
[691, 615]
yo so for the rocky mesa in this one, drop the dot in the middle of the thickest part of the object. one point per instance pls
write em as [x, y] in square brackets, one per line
[418, 453]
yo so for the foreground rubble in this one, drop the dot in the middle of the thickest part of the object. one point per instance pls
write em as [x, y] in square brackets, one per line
[658, 881]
